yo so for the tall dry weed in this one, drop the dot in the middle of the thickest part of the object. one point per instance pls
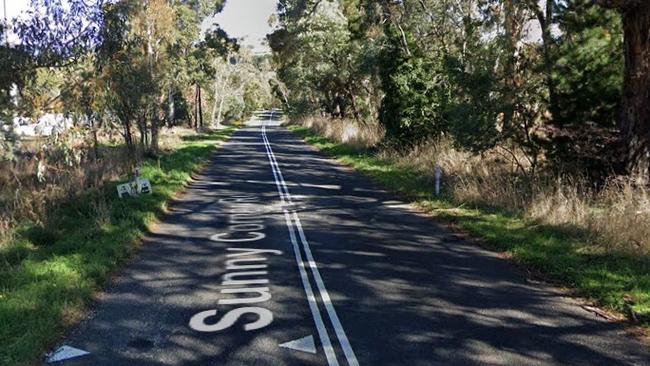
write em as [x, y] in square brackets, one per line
[616, 216]
[5, 231]
[346, 131]
[46, 174]
[172, 137]
[621, 216]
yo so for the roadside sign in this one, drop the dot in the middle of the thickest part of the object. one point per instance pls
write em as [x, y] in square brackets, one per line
[134, 188]
[124, 190]
[144, 186]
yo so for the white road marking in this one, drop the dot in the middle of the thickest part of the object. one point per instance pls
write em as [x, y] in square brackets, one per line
[322, 186]
[304, 344]
[241, 279]
[65, 353]
[285, 198]
[330, 355]
[199, 321]
[311, 299]
[338, 328]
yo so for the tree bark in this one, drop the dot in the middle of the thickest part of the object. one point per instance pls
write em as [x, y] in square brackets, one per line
[545, 18]
[200, 101]
[635, 114]
[196, 107]
[635, 121]
[213, 116]
[128, 137]
[220, 114]
[511, 38]
[157, 117]
[172, 110]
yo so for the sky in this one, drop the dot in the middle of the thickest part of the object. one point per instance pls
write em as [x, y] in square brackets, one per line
[14, 7]
[247, 20]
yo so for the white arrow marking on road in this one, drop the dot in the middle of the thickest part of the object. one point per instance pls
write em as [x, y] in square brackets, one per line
[304, 344]
[65, 353]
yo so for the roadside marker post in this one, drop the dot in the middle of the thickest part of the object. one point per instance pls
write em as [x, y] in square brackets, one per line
[438, 175]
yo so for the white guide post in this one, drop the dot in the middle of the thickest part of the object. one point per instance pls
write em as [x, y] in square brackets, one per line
[438, 175]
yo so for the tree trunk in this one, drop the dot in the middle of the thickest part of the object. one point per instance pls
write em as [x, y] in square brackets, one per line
[635, 113]
[154, 134]
[213, 116]
[635, 119]
[200, 102]
[95, 145]
[509, 65]
[128, 137]
[220, 114]
[196, 107]
[172, 110]
[142, 127]
[545, 19]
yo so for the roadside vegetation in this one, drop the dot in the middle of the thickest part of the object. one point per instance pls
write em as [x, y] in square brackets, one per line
[594, 243]
[99, 84]
[50, 269]
[536, 112]
[90, 94]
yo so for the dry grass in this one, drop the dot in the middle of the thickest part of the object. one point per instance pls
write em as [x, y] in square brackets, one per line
[49, 172]
[170, 138]
[26, 194]
[346, 131]
[616, 217]
[620, 215]
[49, 272]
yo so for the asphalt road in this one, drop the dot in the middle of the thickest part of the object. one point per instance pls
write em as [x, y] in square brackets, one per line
[276, 255]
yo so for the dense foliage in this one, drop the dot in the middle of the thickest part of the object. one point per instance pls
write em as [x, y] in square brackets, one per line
[127, 66]
[542, 80]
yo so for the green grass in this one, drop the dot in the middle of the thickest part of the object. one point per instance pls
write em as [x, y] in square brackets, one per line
[48, 275]
[561, 254]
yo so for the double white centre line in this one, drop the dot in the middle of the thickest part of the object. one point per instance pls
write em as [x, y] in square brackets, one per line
[293, 225]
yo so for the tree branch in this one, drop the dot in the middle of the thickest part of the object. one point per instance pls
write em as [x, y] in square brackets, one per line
[619, 4]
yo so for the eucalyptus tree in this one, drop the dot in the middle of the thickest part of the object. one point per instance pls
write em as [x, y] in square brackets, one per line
[192, 56]
[542, 78]
[213, 56]
[153, 52]
[312, 51]
[51, 36]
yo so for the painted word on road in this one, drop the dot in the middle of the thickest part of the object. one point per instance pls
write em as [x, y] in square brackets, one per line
[245, 284]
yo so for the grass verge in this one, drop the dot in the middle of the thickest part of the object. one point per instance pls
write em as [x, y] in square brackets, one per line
[616, 282]
[48, 275]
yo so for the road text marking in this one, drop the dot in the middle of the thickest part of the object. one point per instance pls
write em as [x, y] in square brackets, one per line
[237, 283]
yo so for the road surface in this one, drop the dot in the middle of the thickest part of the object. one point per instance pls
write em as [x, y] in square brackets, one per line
[276, 255]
